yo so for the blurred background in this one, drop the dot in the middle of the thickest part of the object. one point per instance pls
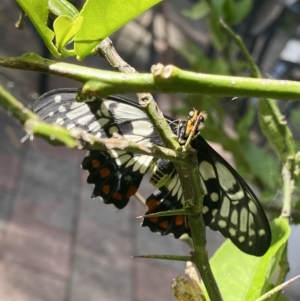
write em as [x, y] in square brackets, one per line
[56, 243]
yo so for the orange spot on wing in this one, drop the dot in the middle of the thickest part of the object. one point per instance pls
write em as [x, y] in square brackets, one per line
[131, 191]
[118, 196]
[106, 189]
[104, 172]
[179, 220]
[153, 219]
[95, 163]
[163, 224]
[152, 204]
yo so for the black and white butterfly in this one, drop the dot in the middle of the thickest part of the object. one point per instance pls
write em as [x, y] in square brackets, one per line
[229, 205]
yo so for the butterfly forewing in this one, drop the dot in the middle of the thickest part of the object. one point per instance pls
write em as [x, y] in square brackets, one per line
[229, 205]
[115, 174]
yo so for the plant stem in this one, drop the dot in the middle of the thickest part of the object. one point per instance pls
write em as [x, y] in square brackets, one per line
[168, 79]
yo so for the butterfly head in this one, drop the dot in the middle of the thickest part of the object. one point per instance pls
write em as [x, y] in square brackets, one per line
[192, 126]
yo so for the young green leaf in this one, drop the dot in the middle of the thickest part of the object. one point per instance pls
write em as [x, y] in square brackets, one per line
[65, 29]
[244, 277]
[102, 18]
[198, 11]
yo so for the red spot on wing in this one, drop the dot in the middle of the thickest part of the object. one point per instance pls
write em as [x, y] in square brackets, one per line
[106, 189]
[95, 163]
[153, 219]
[104, 172]
[179, 220]
[152, 204]
[163, 224]
[131, 191]
[118, 196]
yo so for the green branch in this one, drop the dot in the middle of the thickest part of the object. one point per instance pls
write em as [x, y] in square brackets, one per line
[168, 79]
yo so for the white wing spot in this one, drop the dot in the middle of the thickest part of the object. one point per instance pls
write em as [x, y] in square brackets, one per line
[214, 196]
[94, 126]
[203, 186]
[141, 163]
[234, 217]
[225, 207]
[206, 170]
[241, 239]
[85, 119]
[205, 209]
[76, 105]
[222, 224]
[232, 231]
[214, 212]
[51, 114]
[250, 243]
[57, 98]
[252, 207]
[243, 220]
[176, 188]
[103, 121]
[113, 129]
[229, 183]
[146, 164]
[77, 110]
[103, 110]
[251, 232]
[261, 232]
[142, 128]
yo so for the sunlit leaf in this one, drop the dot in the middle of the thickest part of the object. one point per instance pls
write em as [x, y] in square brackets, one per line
[102, 18]
[38, 12]
[65, 29]
[245, 277]
[62, 8]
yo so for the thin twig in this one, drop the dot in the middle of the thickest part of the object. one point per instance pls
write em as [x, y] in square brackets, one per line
[277, 289]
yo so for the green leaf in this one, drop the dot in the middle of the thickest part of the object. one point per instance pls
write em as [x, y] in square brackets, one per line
[198, 11]
[37, 11]
[228, 11]
[62, 8]
[218, 5]
[245, 277]
[65, 29]
[102, 18]
[241, 10]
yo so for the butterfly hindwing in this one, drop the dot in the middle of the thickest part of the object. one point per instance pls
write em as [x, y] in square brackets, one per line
[161, 200]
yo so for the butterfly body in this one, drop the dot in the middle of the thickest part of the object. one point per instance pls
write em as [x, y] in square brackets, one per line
[229, 205]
